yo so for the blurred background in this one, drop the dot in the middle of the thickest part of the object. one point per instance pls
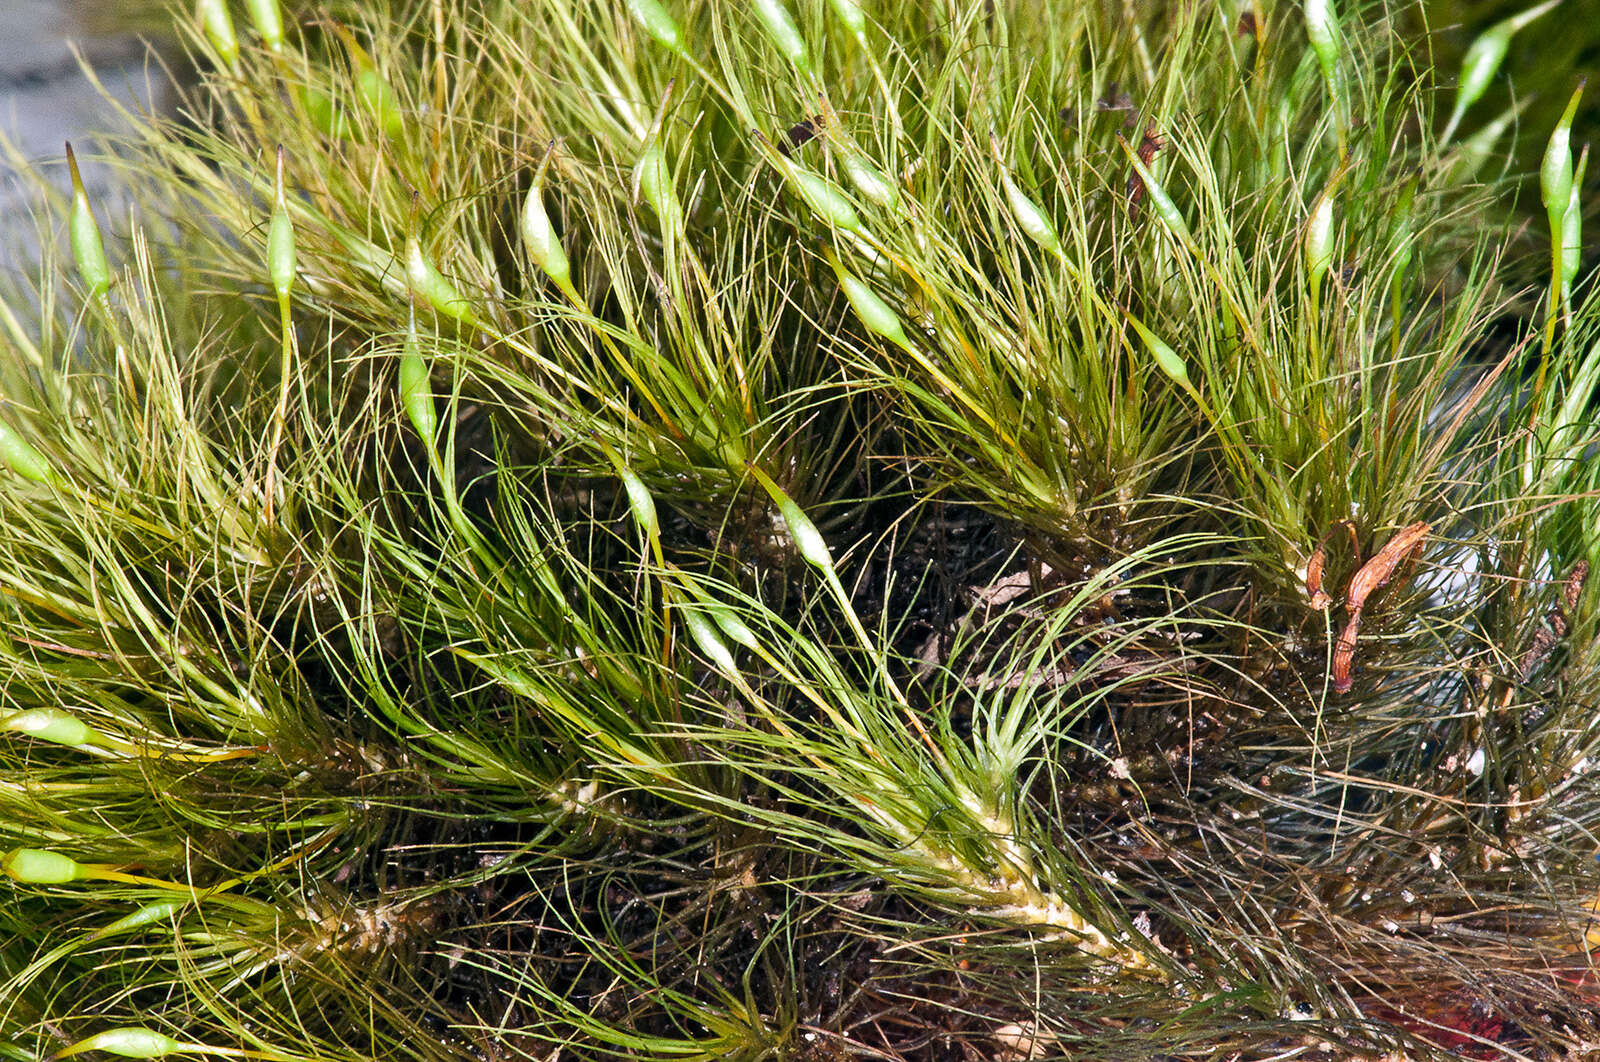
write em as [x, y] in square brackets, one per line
[44, 98]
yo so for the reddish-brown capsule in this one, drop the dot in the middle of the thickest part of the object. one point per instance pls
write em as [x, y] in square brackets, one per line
[1404, 546]
[1149, 145]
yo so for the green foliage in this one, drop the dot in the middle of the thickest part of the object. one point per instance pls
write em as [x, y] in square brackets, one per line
[663, 530]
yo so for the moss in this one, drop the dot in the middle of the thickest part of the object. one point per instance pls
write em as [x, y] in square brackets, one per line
[626, 530]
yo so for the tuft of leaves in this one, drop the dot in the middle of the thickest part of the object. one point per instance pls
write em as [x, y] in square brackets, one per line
[639, 529]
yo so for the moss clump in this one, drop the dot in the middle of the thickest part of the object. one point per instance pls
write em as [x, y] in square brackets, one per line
[635, 530]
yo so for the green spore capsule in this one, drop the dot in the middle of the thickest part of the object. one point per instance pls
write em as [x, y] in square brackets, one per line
[371, 88]
[1401, 237]
[268, 21]
[1572, 230]
[1030, 217]
[1473, 153]
[35, 866]
[849, 12]
[218, 24]
[1318, 247]
[280, 240]
[779, 24]
[324, 114]
[1160, 202]
[1483, 59]
[148, 915]
[53, 725]
[731, 625]
[539, 237]
[827, 200]
[427, 281]
[377, 94]
[878, 316]
[808, 541]
[868, 179]
[1555, 173]
[1557, 188]
[661, 26]
[1322, 30]
[1164, 356]
[88, 249]
[129, 1042]
[640, 503]
[705, 636]
[21, 457]
[416, 389]
[652, 179]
